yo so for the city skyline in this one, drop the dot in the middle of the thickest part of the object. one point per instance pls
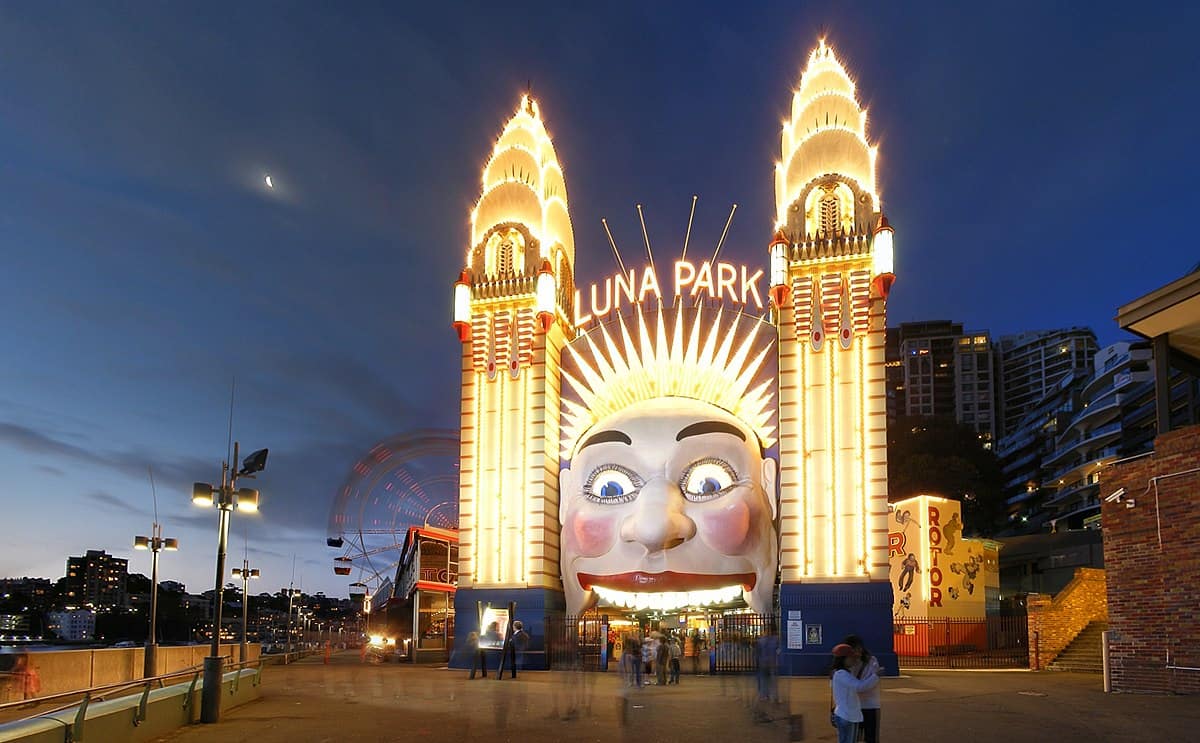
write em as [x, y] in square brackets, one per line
[151, 262]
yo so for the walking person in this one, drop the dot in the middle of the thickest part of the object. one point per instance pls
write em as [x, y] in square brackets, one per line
[867, 664]
[520, 643]
[478, 660]
[632, 654]
[844, 688]
[676, 652]
[662, 654]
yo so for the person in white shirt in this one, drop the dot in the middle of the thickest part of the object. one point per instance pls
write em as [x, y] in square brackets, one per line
[866, 663]
[846, 713]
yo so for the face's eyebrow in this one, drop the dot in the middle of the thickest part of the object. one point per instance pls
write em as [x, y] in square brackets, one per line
[605, 436]
[703, 427]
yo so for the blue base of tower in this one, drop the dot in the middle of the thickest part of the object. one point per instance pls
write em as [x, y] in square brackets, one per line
[837, 609]
[533, 604]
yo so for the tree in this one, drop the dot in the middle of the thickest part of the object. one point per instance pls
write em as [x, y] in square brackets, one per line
[940, 457]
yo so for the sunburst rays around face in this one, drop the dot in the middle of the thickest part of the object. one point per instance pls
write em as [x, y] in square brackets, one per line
[718, 357]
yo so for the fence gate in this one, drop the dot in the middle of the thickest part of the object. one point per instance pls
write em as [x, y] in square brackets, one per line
[576, 641]
[735, 638]
[998, 641]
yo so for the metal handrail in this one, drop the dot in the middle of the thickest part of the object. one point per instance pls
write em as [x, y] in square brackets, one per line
[103, 689]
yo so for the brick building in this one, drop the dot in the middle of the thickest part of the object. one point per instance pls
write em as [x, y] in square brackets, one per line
[1153, 568]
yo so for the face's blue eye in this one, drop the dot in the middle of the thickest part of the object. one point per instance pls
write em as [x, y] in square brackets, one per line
[707, 479]
[611, 489]
[612, 484]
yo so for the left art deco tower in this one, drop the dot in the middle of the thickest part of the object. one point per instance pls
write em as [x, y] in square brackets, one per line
[512, 304]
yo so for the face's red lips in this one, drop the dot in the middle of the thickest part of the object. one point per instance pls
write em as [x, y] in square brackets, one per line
[640, 582]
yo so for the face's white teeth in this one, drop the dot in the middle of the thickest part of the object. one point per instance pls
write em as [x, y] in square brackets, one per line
[668, 599]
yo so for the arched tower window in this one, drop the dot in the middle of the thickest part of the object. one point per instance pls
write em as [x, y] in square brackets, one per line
[831, 218]
[829, 210]
[505, 253]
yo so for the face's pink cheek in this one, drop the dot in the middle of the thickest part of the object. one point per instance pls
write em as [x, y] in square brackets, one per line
[727, 528]
[589, 534]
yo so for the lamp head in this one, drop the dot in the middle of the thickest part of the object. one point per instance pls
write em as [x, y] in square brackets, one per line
[141, 543]
[256, 462]
[203, 494]
[247, 499]
[254, 572]
[237, 572]
[170, 544]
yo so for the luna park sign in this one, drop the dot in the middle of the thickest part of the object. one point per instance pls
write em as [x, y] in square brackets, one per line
[719, 281]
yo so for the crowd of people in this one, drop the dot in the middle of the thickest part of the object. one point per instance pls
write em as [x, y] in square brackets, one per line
[656, 658]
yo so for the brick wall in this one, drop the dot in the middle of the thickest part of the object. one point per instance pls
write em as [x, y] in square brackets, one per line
[1058, 620]
[1154, 568]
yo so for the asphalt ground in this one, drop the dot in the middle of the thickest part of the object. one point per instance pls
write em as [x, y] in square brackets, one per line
[351, 701]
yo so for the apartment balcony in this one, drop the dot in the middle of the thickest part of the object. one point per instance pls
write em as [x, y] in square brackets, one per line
[1079, 467]
[1080, 489]
[1095, 414]
[1095, 437]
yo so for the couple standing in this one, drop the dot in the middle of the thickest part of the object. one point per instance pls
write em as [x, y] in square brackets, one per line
[854, 692]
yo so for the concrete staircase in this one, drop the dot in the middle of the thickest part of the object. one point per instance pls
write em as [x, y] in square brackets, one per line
[1084, 654]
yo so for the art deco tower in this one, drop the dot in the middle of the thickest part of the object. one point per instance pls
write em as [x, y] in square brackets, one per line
[511, 308]
[830, 273]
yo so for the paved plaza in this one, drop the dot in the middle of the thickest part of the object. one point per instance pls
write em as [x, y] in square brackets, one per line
[349, 701]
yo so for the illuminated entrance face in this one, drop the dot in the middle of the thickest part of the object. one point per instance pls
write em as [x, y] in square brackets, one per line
[668, 503]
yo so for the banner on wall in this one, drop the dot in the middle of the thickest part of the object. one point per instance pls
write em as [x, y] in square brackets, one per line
[493, 627]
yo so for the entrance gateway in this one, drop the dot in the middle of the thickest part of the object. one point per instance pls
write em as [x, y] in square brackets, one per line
[714, 451]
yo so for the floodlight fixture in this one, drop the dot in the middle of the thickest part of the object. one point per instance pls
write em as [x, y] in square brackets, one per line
[256, 462]
[247, 499]
[203, 494]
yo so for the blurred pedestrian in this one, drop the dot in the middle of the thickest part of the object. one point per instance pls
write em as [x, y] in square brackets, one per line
[478, 659]
[520, 642]
[767, 649]
[845, 711]
[648, 651]
[866, 664]
[27, 676]
[662, 653]
[631, 660]
[675, 653]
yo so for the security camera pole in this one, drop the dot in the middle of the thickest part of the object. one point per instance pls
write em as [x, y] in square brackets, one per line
[226, 498]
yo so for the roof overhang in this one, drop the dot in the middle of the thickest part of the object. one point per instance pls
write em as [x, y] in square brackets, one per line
[1173, 311]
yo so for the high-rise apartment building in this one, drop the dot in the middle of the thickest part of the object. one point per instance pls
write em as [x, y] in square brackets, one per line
[934, 369]
[1032, 364]
[97, 580]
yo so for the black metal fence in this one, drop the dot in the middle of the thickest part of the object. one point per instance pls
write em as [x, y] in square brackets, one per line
[577, 642]
[735, 641]
[998, 641]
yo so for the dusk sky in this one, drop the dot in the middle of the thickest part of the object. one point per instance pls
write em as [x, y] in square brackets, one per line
[1037, 161]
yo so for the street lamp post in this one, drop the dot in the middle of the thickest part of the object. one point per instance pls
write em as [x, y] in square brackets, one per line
[155, 544]
[291, 597]
[245, 572]
[225, 499]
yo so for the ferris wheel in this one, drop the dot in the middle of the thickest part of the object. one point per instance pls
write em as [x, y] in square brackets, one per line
[404, 481]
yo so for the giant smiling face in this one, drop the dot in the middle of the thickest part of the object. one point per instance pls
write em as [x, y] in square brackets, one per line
[668, 503]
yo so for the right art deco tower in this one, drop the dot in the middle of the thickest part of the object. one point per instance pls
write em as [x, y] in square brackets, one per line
[831, 270]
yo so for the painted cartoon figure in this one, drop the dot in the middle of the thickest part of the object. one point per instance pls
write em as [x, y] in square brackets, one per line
[908, 567]
[668, 499]
[951, 531]
[968, 570]
[904, 518]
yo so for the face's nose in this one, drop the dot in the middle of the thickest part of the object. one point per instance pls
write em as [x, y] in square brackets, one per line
[658, 523]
